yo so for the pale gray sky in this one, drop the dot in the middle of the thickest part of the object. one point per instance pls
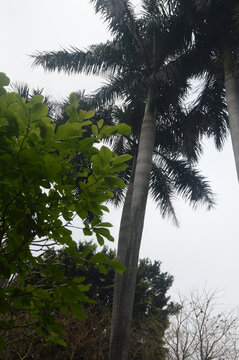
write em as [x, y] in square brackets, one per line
[205, 249]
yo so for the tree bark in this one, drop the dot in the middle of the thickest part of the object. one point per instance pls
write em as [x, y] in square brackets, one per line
[232, 97]
[130, 238]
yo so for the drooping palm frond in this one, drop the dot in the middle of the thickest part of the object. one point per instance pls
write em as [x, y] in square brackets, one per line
[118, 86]
[187, 181]
[179, 133]
[98, 59]
[162, 192]
[119, 14]
[210, 109]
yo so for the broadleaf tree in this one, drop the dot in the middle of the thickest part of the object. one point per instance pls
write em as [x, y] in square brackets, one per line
[39, 165]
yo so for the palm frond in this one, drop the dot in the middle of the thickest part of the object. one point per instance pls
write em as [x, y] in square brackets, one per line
[190, 63]
[162, 192]
[98, 59]
[178, 132]
[110, 91]
[155, 8]
[118, 13]
[123, 84]
[211, 110]
[188, 182]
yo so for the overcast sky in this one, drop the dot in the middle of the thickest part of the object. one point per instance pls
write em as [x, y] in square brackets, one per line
[205, 249]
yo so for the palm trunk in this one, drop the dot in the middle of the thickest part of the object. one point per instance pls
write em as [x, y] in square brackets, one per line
[232, 97]
[130, 239]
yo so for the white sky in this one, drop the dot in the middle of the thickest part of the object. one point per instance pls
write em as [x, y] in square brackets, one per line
[205, 249]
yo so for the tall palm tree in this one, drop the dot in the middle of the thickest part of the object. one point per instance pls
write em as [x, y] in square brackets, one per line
[141, 61]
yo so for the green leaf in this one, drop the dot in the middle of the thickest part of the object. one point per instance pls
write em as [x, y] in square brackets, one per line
[64, 131]
[89, 114]
[77, 311]
[66, 293]
[4, 80]
[87, 232]
[118, 266]
[64, 310]
[73, 100]
[37, 99]
[99, 258]
[94, 130]
[121, 159]
[95, 221]
[123, 129]
[105, 208]
[54, 272]
[107, 131]
[104, 232]
[100, 239]
[105, 224]
[106, 154]
[38, 110]
[102, 269]
[54, 338]
[78, 279]
[100, 123]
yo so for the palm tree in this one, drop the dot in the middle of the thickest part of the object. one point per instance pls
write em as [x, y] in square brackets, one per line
[214, 57]
[140, 61]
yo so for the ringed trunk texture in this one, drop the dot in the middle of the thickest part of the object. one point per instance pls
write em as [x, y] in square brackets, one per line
[130, 238]
[232, 97]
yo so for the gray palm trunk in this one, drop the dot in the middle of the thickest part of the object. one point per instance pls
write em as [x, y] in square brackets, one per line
[130, 238]
[232, 97]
